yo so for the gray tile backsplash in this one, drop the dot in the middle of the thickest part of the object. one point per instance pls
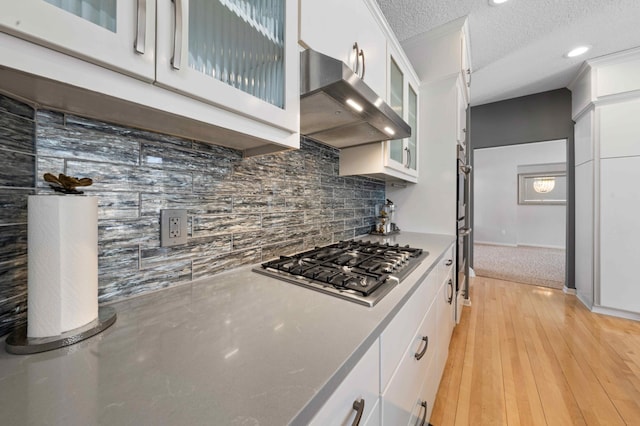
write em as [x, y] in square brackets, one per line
[241, 211]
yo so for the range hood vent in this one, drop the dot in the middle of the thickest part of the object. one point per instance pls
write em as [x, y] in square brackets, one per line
[339, 109]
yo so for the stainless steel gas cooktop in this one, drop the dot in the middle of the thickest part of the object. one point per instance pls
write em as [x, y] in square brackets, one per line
[360, 271]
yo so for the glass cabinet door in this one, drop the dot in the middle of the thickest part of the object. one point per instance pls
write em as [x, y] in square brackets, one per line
[116, 34]
[396, 102]
[237, 54]
[240, 43]
[102, 13]
[412, 141]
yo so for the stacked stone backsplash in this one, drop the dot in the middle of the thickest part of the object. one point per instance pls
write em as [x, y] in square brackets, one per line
[241, 211]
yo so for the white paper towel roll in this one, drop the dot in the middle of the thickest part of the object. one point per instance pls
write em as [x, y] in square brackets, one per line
[62, 289]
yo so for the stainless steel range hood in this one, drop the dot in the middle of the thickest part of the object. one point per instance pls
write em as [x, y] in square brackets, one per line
[339, 109]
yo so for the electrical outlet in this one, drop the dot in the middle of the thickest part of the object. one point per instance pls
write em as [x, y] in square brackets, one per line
[173, 227]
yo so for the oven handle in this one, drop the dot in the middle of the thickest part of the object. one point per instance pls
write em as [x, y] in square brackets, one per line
[465, 169]
[358, 405]
[463, 232]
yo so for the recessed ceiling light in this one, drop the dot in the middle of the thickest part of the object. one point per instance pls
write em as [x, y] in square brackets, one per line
[580, 50]
[497, 2]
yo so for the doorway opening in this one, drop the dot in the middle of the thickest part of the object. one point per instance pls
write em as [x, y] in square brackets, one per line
[520, 212]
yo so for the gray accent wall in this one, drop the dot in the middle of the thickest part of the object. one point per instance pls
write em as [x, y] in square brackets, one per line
[241, 210]
[534, 118]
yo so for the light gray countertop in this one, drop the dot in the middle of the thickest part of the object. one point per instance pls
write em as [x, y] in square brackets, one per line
[239, 348]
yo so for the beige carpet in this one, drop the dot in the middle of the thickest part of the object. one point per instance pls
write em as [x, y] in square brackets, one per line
[528, 265]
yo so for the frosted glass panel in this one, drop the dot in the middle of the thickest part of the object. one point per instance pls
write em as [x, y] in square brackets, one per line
[100, 12]
[241, 43]
[397, 84]
[413, 122]
[396, 102]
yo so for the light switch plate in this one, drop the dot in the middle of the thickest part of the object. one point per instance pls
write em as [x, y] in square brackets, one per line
[173, 227]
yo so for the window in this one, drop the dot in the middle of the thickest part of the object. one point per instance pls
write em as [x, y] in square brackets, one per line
[542, 188]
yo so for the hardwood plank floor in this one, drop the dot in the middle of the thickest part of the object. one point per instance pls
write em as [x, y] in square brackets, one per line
[528, 355]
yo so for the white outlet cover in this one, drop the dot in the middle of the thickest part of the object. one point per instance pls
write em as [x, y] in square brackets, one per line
[166, 215]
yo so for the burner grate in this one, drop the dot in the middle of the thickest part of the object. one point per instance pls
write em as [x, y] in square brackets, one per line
[353, 266]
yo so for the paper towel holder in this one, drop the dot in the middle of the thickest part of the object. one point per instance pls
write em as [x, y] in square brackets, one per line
[20, 344]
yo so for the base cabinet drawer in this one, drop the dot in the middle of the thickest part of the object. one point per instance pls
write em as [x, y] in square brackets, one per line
[398, 334]
[362, 384]
[427, 397]
[399, 398]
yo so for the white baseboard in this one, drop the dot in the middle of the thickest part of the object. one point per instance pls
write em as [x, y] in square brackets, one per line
[472, 273]
[568, 290]
[493, 243]
[584, 302]
[542, 246]
[616, 313]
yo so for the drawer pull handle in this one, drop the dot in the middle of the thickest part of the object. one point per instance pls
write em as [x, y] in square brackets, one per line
[449, 262]
[423, 404]
[358, 405]
[450, 296]
[420, 354]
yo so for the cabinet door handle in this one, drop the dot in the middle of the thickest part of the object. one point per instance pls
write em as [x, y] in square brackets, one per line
[361, 54]
[358, 405]
[450, 296]
[176, 60]
[141, 33]
[449, 262]
[357, 50]
[423, 404]
[420, 354]
[408, 164]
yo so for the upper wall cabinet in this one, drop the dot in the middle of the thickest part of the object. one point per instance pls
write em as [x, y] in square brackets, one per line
[334, 27]
[225, 72]
[393, 160]
[232, 53]
[117, 34]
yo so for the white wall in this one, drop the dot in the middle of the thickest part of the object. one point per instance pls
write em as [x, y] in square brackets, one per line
[498, 218]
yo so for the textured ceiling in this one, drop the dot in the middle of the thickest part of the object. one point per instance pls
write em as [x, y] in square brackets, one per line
[517, 48]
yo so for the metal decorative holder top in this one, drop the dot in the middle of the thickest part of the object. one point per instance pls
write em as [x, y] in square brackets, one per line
[66, 184]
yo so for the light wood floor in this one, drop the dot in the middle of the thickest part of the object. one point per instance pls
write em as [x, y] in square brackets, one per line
[528, 355]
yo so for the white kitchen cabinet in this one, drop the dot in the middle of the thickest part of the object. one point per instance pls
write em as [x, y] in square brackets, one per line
[391, 160]
[402, 393]
[240, 57]
[584, 232]
[619, 129]
[333, 27]
[398, 335]
[117, 34]
[361, 384]
[402, 154]
[619, 250]
[606, 104]
[79, 67]
[446, 320]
